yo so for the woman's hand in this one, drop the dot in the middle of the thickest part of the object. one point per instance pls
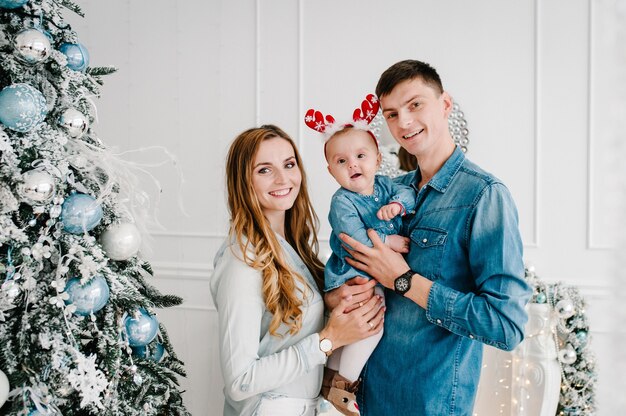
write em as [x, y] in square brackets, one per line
[344, 328]
[357, 290]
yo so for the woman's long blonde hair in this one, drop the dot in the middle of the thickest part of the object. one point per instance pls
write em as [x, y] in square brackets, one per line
[253, 233]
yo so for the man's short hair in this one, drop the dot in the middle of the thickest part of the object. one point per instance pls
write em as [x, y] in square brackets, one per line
[408, 70]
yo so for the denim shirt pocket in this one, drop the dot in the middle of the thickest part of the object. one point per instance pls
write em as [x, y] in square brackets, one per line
[427, 248]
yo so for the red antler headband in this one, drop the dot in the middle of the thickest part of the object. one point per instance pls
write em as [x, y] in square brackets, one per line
[361, 117]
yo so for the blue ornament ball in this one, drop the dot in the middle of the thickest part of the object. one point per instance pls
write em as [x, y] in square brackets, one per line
[142, 329]
[80, 213]
[88, 298]
[12, 4]
[77, 56]
[22, 107]
[541, 297]
[152, 352]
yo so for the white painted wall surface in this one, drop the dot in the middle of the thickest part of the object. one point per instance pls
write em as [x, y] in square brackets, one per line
[536, 80]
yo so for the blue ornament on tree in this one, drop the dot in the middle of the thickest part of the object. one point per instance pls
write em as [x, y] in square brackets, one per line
[77, 56]
[80, 213]
[12, 4]
[22, 107]
[141, 329]
[152, 352]
[88, 298]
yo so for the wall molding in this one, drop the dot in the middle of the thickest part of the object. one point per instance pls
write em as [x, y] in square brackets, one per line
[537, 129]
[187, 234]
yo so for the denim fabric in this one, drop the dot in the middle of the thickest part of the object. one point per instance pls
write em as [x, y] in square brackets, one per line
[353, 213]
[465, 239]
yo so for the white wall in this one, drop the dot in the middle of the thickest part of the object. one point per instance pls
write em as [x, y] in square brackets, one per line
[534, 79]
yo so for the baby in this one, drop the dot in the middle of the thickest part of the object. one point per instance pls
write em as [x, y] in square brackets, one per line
[365, 200]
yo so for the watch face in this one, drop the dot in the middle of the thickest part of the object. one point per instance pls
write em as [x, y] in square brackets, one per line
[326, 345]
[402, 284]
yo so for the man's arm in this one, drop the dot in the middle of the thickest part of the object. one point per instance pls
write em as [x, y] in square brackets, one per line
[384, 265]
[494, 313]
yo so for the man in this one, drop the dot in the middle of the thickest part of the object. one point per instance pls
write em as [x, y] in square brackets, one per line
[462, 283]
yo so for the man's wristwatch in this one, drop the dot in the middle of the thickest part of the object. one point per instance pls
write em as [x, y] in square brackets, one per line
[326, 346]
[402, 284]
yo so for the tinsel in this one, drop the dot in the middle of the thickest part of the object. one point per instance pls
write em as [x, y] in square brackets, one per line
[59, 362]
[571, 333]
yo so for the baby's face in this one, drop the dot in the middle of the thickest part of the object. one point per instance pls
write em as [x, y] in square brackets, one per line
[353, 160]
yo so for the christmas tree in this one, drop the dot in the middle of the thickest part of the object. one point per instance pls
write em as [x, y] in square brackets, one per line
[78, 332]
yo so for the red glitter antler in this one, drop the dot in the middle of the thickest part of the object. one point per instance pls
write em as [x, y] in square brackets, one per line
[369, 109]
[317, 121]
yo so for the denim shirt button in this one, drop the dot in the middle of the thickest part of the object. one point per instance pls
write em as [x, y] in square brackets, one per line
[471, 336]
[439, 321]
[390, 225]
[425, 240]
[376, 199]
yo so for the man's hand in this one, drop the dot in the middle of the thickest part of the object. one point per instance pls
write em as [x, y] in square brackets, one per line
[398, 243]
[389, 211]
[380, 261]
[357, 290]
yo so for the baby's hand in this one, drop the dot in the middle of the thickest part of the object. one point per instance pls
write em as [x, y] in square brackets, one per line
[389, 211]
[398, 243]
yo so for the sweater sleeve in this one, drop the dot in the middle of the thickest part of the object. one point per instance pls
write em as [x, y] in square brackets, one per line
[238, 297]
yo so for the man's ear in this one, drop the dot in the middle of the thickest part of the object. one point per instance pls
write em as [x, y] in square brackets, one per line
[447, 103]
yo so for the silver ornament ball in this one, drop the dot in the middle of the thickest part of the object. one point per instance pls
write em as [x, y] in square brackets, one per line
[74, 122]
[32, 46]
[121, 241]
[37, 186]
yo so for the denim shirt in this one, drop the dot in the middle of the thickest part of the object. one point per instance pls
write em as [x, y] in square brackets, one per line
[353, 213]
[256, 365]
[465, 239]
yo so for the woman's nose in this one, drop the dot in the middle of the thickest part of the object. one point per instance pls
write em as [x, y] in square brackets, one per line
[280, 177]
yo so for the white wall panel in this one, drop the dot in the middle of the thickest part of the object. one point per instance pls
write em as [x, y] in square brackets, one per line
[533, 78]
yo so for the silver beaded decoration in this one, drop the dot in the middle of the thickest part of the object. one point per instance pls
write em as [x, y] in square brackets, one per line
[458, 127]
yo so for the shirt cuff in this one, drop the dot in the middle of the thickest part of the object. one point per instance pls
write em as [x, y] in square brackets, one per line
[440, 304]
[309, 350]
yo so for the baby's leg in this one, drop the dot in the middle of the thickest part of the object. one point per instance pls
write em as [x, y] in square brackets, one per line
[354, 356]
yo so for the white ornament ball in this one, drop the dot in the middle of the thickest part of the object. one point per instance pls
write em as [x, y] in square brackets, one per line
[121, 241]
[32, 46]
[4, 388]
[567, 355]
[565, 308]
[37, 186]
[74, 122]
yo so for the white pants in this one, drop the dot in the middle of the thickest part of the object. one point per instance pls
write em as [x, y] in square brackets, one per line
[287, 406]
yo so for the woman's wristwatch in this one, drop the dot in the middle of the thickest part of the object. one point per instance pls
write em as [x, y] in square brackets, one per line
[326, 346]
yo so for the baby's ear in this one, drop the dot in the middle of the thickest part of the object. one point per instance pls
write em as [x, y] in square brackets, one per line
[328, 167]
[379, 159]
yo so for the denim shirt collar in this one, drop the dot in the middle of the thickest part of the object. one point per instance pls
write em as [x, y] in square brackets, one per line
[446, 174]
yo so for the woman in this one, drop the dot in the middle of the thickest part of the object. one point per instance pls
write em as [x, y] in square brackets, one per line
[266, 285]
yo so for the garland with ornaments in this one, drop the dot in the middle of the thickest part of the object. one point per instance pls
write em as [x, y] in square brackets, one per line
[77, 321]
[571, 336]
